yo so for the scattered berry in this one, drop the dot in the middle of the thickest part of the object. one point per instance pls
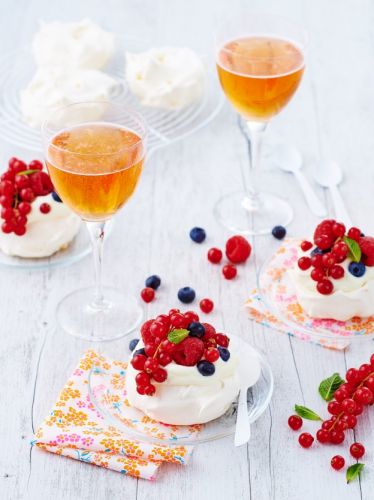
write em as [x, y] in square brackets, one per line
[357, 450]
[295, 422]
[229, 271]
[133, 343]
[306, 440]
[206, 368]
[306, 245]
[45, 208]
[215, 255]
[337, 462]
[153, 281]
[147, 294]
[197, 234]
[186, 295]
[357, 269]
[206, 305]
[279, 232]
[238, 249]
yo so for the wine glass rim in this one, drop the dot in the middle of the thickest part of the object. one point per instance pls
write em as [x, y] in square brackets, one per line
[130, 111]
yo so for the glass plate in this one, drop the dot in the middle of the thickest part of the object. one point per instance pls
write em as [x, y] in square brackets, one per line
[277, 292]
[165, 127]
[109, 397]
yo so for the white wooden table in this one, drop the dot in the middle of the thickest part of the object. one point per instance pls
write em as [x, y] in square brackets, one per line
[332, 115]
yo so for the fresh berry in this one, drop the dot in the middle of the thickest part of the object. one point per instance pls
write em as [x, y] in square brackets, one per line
[145, 333]
[7, 188]
[16, 165]
[336, 272]
[279, 232]
[367, 248]
[173, 311]
[306, 245]
[338, 229]
[147, 294]
[323, 235]
[295, 422]
[357, 450]
[206, 305]
[150, 365]
[7, 213]
[142, 378]
[328, 260]
[164, 319]
[317, 274]
[229, 271]
[364, 396]
[153, 281]
[22, 181]
[206, 368]
[348, 406]
[352, 376]
[7, 227]
[197, 234]
[306, 440]
[364, 371]
[337, 462]
[222, 340]
[337, 436]
[369, 383]
[340, 250]
[6, 201]
[191, 316]
[140, 389]
[56, 197]
[189, 351]
[138, 361]
[149, 390]
[317, 261]
[35, 165]
[177, 321]
[357, 269]
[159, 330]
[325, 287]
[238, 249]
[341, 394]
[41, 183]
[19, 230]
[139, 351]
[214, 255]
[24, 208]
[45, 208]
[359, 409]
[167, 346]
[150, 349]
[133, 343]
[27, 194]
[186, 294]
[224, 353]
[350, 420]
[211, 354]
[304, 263]
[164, 358]
[334, 408]
[160, 375]
[354, 233]
[323, 436]
[196, 329]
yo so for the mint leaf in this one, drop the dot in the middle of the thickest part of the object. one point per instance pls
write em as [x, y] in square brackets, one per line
[28, 172]
[176, 336]
[354, 471]
[328, 386]
[354, 249]
[306, 413]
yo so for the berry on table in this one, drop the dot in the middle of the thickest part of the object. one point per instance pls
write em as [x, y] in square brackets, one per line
[334, 408]
[357, 269]
[206, 305]
[357, 450]
[295, 422]
[56, 197]
[197, 234]
[238, 249]
[279, 232]
[206, 368]
[229, 271]
[306, 440]
[153, 281]
[186, 294]
[323, 436]
[147, 294]
[224, 353]
[364, 371]
[214, 255]
[196, 329]
[133, 343]
[348, 406]
[337, 462]
[45, 208]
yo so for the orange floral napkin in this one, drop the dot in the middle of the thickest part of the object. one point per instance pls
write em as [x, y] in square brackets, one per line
[75, 429]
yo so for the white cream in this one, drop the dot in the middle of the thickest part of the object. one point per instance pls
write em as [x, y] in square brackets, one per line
[351, 296]
[79, 45]
[187, 397]
[55, 87]
[45, 234]
[169, 77]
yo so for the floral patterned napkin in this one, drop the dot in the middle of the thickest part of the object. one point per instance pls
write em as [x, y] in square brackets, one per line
[75, 429]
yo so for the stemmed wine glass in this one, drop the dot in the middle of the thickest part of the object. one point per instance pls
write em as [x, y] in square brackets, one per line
[95, 165]
[260, 63]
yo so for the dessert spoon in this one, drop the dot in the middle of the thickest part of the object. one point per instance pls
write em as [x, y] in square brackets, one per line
[329, 175]
[289, 159]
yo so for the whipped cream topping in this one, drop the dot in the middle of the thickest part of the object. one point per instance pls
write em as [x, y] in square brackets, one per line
[79, 45]
[351, 296]
[53, 87]
[187, 397]
[169, 77]
[45, 234]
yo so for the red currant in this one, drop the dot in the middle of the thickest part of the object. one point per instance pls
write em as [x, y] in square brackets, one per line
[177, 320]
[337, 436]
[149, 390]
[167, 346]
[222, 340]
[357, 450]
[142, 378]
[45, 208]
[138, 361]
[306, 245]
[6, 201]
[306, 440]
[206, 305]
[341, 394]
[317, 274]
[295, 422]
[160, 375]
[337, 462]
[150, 365]
[352, 376]
[369, 383]
[336, 272]
[173, 311]
[7, 227]
[27, 194]
[304, 263]
[150, 349]
[140, 389]
[328, 260]
[147, 294]
[317, 261]
[7, 188]
[211, 354]
[7, 213]
[354, 233]
[24, 208]
[323, 436]
[19, 230]
[16, 165]
[326, 425]
[35, 165]
[350, 421]
[191, 316]
[359, 409]
[215, 255]
[164, 358]
[364, 371]
[334, 408]
[348, 405]
[159, 330]
[338, 229]
[229, 271]
[340, 250]
[163, 319]
[364, 396]
[22, 181]
[325, 287]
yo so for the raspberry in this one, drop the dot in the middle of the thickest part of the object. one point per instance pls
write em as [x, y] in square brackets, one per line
[367, 247]
[188, 352]
[324, 235]
[238, 249]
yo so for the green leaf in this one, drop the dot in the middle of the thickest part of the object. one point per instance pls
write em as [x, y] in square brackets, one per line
[176, 336]
[306, 413]
[28, 172]
[328, 386]
[354, 249]
[354, 471]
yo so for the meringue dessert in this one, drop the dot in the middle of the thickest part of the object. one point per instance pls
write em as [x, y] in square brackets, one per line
[334, 275]
[184, 375]
[169, 77]
[54, 87]
[80, 45]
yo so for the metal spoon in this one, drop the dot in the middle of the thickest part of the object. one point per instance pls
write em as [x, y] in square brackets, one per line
[329, 175]
[288, 159]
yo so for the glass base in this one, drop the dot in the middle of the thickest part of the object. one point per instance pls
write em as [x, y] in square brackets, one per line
[78, 315]
[241, 213]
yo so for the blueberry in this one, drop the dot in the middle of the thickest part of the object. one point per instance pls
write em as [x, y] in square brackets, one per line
[186, 294]
[206, 368]
[133, 343]
[197, 234]
[196, 329]
[357, 269]
[279, 232]
[319, 251]
[140, 351]
[56, 197]
[224, 353]
[153, 281]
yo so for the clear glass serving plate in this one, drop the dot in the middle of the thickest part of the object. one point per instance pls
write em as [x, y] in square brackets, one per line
[107, 392]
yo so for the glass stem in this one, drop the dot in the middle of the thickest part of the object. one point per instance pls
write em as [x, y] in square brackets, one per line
[256, 132]
[97, 233]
